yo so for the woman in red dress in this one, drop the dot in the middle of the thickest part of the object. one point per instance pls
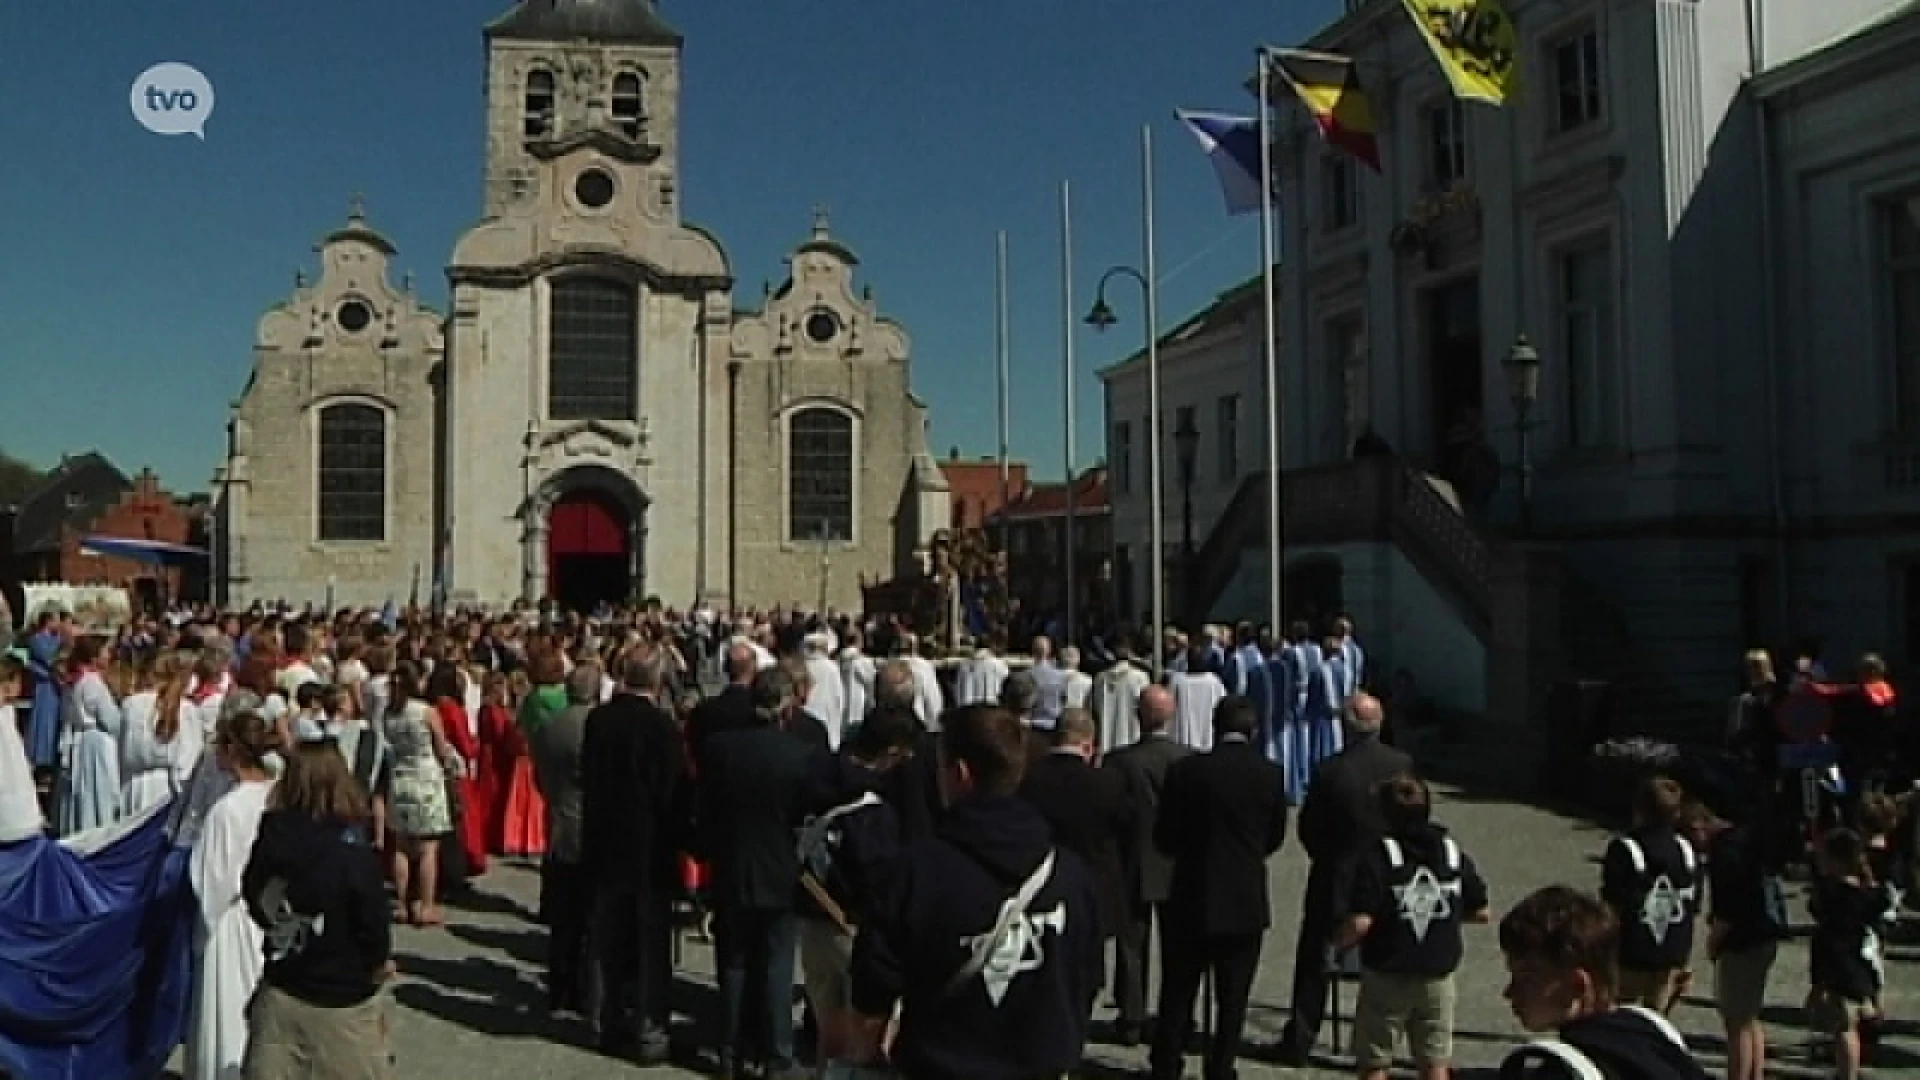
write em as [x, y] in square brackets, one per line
[447, 689]
[520, 814]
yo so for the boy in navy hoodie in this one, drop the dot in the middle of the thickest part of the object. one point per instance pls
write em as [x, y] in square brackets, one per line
[1650, 876]
[1562, 949]
[1410, 895]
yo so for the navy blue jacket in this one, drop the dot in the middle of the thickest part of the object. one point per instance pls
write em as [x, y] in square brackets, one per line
[948, 888]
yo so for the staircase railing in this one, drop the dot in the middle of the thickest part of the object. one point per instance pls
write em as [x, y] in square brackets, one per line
[1443, 545]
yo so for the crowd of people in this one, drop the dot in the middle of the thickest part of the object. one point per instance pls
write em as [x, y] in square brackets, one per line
[953, 864]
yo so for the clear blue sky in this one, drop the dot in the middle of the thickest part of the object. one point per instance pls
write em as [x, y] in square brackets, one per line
[135, 267]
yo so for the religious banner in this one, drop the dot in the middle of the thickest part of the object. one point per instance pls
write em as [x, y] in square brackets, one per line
[1475, 43]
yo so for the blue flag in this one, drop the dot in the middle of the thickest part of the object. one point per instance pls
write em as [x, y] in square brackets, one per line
[1233, 145]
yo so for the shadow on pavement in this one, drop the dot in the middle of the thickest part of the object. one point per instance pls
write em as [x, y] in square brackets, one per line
[485, 996]
[526, 946]
[476, 899]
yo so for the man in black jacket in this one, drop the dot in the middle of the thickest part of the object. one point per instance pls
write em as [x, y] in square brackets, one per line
[755, 790]
[1147, 871]
[633, 815]
[729, 710]
[985, 934]
[1222, 815]
[1339, 819]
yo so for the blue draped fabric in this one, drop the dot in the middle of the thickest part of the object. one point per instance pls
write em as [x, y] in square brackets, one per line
[96, 956]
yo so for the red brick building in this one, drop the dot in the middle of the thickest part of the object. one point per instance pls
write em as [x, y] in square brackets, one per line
[975, 490]
[87, 496]
[1036, 525]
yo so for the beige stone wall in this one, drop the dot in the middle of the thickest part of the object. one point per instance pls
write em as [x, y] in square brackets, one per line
[305, 360]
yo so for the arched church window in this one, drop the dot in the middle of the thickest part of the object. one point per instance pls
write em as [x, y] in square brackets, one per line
[820, 471]
[629, 104]
[593, 350]
[539, 103]
[353, 473]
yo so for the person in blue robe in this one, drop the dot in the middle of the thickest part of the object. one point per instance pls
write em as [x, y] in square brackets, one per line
[1298, 660]
[43, 661]
[1328, 688]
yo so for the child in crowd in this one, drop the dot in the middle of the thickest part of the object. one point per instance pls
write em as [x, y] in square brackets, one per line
[1562, 948]
[311, 716]
[1881, 824]
[1409, 897]
[1745, 925]
[1849, 911]
[1649, 876]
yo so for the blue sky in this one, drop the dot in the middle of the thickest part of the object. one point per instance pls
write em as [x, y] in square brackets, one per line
[136, 267]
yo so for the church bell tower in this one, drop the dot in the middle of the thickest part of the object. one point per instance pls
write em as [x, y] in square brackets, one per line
[565, 76]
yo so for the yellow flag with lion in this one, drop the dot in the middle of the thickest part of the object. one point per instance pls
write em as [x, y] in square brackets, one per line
[1475, 43]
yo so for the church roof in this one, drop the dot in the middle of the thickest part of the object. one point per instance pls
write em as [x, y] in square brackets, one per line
[357, 228]
[625, 22]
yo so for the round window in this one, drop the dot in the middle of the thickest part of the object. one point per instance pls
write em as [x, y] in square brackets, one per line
[354, 316]
[594, 188]
[822, 326]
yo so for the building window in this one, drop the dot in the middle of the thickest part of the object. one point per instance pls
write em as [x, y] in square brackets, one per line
[1587, 332]
[1227, 420]
[353, 473]
[539, 104]
[819, 475]
[1578, 99]
[1123, 457]
[1446, 132]
[1901, 224]
[1347, 386]
[1339, 193]
[629, 104]
[593, 350]
[1183, 421]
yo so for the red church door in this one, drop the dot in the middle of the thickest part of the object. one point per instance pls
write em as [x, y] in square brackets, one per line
[589, 551]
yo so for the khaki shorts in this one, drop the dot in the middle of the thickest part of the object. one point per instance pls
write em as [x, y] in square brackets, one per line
[1740, 983]
[1390, 1005]
[292, 1040]
[1656, 990]
[826, 960]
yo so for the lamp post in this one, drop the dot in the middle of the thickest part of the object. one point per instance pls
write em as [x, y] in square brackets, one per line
[1186, 442]
[1100, 317]
[1523, 385]
[734, 364]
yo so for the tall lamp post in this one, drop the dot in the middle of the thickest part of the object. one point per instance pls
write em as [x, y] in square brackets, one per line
[1186, 443]
[1523, 383]
[734, 365]
[1100, 317]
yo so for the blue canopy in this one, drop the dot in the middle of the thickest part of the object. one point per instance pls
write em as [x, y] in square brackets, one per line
[152, 552]
[96, 955]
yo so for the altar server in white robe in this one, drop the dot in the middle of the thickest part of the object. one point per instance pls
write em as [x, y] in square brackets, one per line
[20, 817]
[209, 782]
[979, 679]
[1195, 692]
[161, 740]
[89, 746]
[929, 701]
[856, 678]
[827, 693]
[1116, 701]
[227, 942]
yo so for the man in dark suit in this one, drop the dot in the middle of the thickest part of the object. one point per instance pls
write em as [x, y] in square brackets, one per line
[634, 814]
[566, 890]
[755, 788]
[1340, 818]
[1087, 808]
[729, 710]
[1222, 815]
[1148, 873]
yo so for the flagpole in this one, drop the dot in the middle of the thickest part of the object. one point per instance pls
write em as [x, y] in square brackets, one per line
[1001, 344]
[1276, 541]
[1156, 497]
[1066, 375]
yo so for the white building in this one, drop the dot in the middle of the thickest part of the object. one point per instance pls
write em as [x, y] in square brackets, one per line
[593, 421]
[1721, 275]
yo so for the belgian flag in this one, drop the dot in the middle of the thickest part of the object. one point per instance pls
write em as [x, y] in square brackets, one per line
[1329, 86]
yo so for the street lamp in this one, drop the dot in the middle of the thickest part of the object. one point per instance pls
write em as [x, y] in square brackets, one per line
[1186, 442]
[1100, 317]
[1523, 385]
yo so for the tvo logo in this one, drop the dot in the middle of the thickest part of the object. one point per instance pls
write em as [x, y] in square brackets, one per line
[172, 99]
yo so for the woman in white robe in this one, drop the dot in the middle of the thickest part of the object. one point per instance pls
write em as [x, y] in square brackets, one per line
[227, 944]
[161, 740]
[209, 781]
[89, 747]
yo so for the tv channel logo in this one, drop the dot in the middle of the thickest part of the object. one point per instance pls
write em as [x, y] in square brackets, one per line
[172, 99]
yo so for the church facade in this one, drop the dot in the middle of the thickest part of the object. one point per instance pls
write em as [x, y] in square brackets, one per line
[593, 421]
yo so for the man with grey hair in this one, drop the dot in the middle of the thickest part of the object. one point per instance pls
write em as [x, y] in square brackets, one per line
[894, 687]
[1340, 817]
[754, 794]
[566, 896]
[729, 710]
[929, 700]
[1078, 683]
[633, 772]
